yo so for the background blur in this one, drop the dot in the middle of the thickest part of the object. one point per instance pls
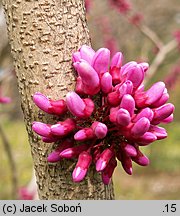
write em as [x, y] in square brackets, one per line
[161, 179]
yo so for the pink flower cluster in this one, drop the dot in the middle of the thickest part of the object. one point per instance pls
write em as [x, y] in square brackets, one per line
[4, 100]
[123, 117]
[123, 6]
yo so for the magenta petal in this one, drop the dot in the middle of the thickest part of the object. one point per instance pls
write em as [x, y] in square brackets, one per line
[104, 159]
[75, 104]
[144, 65]
[101, 61]
[88, 75]
[84, 134]
[140, 127]
[141, 160]
[128, 103]
[54, 157]
[155, 93]
[41, 101]
[126, 88]
[117, 60]
[146, 112]
[159, 132]
[123, 117]
[78, 174]
[41, 129]
[76, 57]
[146, 139]
[126, 68]
[163, 112]
[130, 150]
[5, 100]
[80, 135]
[87, 53]
[100, 129]
[105, 178]
[57, 130]
[168, 119]
[136, 76]
[100, 165]
[127, 164]
[106, 83]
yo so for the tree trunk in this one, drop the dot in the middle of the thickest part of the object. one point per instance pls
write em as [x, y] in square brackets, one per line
[43, 34]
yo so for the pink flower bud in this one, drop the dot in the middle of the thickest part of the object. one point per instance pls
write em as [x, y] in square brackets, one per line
[164, 98]
[140, 97]
[5, 100]
[89, 77]
[57, 107]
[140, 127]
[101, 60]
[125, 88]
[84, 134]
[126, 68]
[123, 117]
[54, 156]
[146, 112]
[81, 108]
[168, 119]
[106, 83]
[87, 53]
[130, 150]
[135, 75]
[144, 65]
[128, 103]
[108, 171]
[104, 159]
[115, 73]
[155, 93]
[84, 161]
[141, 159]
[42, 129]
[146, 139]
[100, 129]
[76, 57]
[97, 152]
[117, 60]
[79, 86]
[88, 108]
[159, 132]
[126, 163]
[41, 101]
[63, 128]
[163, 112]
[74, 151]
[113, 98]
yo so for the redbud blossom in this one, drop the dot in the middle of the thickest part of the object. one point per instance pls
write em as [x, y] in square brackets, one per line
[49, 106]
[84, 161]
[101, 61]
[112, 115]
[81, 108]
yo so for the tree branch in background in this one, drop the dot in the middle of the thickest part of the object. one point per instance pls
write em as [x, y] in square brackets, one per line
[160, 57]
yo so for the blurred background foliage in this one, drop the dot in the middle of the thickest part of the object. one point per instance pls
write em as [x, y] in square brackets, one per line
[161, 179]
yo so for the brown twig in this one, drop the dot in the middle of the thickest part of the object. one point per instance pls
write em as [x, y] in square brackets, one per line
[12, 164]
[159, 58]
[151, 35]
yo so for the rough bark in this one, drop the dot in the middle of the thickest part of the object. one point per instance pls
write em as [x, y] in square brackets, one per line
[43, 35]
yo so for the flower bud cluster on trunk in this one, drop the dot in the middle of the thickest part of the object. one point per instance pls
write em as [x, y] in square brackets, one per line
[126, 119]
